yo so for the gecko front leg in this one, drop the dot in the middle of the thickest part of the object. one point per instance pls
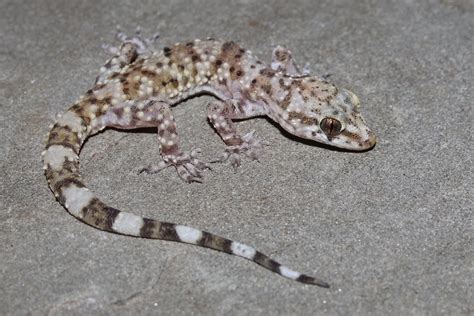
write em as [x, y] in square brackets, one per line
[127, 52]
[188, 166]
[220, 115]
[282, 60]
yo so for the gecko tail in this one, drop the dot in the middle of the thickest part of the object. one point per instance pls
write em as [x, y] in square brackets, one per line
[61, 166]
[150, 228]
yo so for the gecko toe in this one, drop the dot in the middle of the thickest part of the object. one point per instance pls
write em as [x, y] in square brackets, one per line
[188, 167]
[152, 169]
[250, 147]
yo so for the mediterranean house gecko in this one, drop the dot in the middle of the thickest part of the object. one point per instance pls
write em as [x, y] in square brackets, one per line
[137, 88]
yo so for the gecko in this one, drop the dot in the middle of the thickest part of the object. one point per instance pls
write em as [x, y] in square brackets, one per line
[139, 85]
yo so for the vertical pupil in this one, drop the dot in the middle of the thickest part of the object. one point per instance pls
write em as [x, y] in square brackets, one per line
[330, 126]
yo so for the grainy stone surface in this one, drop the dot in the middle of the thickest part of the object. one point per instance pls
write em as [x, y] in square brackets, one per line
[391, 229]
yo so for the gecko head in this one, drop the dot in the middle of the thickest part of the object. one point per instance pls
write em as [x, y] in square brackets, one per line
[319, 111]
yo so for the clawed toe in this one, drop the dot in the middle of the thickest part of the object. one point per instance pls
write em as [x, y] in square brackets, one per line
[151, 169]
[251, 147]
[188, 167]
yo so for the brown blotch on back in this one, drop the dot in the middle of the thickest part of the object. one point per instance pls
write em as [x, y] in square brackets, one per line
[136, 85]
[174, 82]
[229, 46]
[236, 72]
[106, 100]
[230, 52]
[148, 73]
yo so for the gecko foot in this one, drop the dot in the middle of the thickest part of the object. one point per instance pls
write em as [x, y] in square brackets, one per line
[188, 166]
[251, 147]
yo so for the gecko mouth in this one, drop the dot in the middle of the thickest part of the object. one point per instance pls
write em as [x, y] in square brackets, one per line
[355, 141]
[369, 142]
[344, 140]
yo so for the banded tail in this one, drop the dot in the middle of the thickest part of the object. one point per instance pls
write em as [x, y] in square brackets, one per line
[61, 165]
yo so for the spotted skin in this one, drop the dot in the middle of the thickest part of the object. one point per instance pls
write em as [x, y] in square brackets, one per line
[137, 88]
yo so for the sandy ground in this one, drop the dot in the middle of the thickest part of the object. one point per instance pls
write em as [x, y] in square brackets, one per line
[390, 229]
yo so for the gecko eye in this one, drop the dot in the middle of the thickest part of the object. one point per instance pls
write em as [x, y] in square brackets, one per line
[330, 126]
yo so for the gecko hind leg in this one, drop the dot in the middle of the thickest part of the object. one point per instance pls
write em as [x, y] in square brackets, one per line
[220, 115]
[282, 60]
[188, 166]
